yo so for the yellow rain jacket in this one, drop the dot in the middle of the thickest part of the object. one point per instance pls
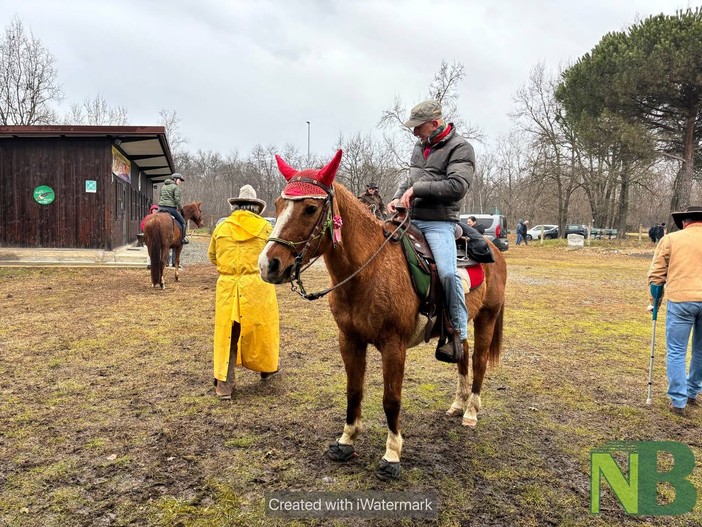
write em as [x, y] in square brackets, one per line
[242, 296]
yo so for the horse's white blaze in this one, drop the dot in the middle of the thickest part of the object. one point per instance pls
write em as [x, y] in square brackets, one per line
[280, 222]
[350, 433]
[459, 403]
[470, 418]
[393, 447]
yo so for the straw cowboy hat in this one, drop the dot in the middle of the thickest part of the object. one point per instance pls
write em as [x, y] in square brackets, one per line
[692, 213]
[247, 194]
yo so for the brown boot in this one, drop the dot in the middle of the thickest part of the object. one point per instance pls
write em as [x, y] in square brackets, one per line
[451, 351]
[224, 389]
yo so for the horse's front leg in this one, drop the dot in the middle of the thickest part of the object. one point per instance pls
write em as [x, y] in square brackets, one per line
[393, 356]
[353, 353]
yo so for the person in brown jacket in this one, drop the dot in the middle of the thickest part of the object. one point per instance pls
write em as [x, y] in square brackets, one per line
[371, 198]
[676, 263]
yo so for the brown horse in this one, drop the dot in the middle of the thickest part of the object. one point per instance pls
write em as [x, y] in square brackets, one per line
[162, 233]
[372, 299]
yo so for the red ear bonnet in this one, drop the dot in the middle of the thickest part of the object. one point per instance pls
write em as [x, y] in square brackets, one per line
[302, 189]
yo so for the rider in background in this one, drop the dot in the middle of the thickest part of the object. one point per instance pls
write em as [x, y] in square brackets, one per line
[170, 200]
[371, 198]
[441, 170]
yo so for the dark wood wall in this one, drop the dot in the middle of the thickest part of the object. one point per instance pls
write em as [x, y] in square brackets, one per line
[105, 219]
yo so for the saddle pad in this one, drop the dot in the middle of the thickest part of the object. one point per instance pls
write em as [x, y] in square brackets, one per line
[471, 277]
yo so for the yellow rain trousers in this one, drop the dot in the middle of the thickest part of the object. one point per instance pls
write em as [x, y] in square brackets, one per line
[242, 296]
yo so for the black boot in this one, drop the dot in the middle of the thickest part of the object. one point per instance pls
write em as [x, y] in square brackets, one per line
[451, 351]
[184, 241]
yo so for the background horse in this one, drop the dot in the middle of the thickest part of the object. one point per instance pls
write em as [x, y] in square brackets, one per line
[372, 300]
[162, 233]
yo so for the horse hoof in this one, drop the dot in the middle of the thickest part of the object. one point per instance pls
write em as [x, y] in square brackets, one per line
[387, 470]
[454, 411]
[342, 453]
[470, 421]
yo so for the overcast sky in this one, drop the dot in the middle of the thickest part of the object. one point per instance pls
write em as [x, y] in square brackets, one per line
[247, 72]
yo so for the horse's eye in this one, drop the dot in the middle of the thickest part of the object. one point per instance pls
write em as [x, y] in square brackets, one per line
[310, 209]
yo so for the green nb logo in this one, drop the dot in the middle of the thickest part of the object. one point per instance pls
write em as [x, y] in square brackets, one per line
[638, 492]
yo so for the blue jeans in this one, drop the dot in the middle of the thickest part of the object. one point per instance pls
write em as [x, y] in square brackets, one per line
[681, 319]
[441, 238]
[519, 238]
[174, 212]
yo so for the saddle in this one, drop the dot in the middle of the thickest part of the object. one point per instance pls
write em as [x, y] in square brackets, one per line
[471, 250]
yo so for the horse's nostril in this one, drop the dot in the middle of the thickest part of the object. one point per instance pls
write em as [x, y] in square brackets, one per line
[273, 266]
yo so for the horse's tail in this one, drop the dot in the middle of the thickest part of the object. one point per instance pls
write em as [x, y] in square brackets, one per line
[496, 343]
[154, 248]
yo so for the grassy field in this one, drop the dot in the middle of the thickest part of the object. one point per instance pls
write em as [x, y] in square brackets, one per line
[108, 416]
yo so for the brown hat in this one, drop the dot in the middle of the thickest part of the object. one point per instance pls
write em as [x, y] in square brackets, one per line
[247, 194]
[692, 213]
[424, 112]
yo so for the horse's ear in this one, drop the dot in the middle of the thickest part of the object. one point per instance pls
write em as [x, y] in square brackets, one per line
[285, 169]
[327, 173]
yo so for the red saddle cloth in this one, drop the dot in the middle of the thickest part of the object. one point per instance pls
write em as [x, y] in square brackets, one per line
[476, 275]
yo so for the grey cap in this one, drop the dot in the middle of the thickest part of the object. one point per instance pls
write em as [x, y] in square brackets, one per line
[424, 112]
[176, 175]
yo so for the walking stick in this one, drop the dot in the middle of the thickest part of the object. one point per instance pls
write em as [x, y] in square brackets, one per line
[657, 294]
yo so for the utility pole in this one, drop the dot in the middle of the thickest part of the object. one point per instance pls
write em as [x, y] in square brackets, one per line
[308, 144]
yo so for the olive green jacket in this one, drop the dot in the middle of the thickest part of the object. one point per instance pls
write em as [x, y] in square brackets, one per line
[170, 195]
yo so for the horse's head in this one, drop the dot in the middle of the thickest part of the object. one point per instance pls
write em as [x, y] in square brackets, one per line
[305, 221]
[195, 214]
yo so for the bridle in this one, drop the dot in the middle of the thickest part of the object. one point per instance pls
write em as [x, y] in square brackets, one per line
[324, 225]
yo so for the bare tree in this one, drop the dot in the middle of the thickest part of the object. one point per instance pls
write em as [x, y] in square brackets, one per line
[171, 122]
[27, 78]
[97, 112]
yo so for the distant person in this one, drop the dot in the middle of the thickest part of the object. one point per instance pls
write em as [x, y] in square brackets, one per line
[440, 174]
[676, 264]
[171, 200]
[246, 310]
[660, 232]
[522, 228]
[152, 210]
[472, 221]
[371, 198]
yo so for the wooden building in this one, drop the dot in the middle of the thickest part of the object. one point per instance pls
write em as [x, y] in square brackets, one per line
[78, 187]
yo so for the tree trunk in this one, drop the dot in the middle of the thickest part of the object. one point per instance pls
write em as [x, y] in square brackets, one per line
[682, 187]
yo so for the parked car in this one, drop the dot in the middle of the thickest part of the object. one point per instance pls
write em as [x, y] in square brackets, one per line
[550, 232]
[576, 229]
[495, 226]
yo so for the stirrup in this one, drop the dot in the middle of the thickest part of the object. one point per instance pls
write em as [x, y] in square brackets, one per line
[184, 241]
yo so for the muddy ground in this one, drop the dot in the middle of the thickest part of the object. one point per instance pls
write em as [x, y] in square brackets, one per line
[108, 416]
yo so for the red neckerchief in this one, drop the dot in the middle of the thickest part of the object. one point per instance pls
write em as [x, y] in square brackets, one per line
[436, 140]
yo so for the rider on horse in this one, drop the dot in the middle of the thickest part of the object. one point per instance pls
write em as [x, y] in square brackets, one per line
[171, 201]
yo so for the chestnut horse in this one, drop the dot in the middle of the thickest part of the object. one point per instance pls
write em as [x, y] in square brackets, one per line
[372, 299]
[161, 233]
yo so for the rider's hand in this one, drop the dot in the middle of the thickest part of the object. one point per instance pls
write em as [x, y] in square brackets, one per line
[391, 206]
[650, 308]
[407, 197]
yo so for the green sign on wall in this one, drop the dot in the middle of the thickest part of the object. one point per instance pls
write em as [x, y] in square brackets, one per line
[44, 195]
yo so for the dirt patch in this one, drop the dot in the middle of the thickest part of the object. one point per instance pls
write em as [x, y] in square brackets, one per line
[108, 415]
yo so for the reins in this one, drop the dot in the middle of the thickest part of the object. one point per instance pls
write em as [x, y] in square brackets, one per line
[296, 284]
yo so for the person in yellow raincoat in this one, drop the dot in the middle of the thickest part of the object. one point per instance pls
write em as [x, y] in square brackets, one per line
[247, 328]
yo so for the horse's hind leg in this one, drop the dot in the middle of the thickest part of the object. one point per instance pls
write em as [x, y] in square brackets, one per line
[458, 406]
[483, 337]
[177, 261]
[353, 354]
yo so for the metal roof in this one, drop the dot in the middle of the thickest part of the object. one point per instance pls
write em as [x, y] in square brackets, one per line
[145, 146]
